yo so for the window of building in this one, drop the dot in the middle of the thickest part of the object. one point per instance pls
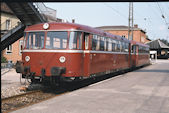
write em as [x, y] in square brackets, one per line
[20, 47]
[123, 36]
[142, 39]
[9, 49]
[8, 24]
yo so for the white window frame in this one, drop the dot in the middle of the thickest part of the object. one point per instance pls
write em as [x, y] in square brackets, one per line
[20, 49]
[8, 23]
[9, 51]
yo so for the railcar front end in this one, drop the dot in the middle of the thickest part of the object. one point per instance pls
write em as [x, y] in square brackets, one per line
[51, 55]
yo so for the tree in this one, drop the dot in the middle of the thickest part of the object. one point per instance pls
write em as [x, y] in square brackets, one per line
[3, 59]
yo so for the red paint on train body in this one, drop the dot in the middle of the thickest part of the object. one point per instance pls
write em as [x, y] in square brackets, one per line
[67, 50]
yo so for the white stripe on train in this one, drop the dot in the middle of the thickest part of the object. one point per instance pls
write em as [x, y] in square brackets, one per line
[80, 51]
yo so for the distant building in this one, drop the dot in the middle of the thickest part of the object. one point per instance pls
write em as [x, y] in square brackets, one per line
[9, 21]
[161, 49]
[139, 35]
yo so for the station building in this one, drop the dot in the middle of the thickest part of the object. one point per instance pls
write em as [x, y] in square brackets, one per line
[139, 35]
[161, 49]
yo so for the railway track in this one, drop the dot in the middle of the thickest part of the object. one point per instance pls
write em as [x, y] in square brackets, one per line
[22, 100]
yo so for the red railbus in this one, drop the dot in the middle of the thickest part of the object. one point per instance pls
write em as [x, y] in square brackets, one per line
[68, 52]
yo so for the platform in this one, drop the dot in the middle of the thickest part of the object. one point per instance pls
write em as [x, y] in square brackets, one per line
[142, 91]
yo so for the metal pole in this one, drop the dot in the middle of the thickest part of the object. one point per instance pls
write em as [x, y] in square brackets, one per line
[130, 22]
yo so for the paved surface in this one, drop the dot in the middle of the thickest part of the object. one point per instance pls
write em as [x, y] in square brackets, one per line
[9, 78]
[142, 91]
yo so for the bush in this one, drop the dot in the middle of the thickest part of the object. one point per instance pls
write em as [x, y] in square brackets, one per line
[3, 59]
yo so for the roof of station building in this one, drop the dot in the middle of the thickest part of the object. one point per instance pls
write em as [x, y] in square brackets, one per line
[157, 44]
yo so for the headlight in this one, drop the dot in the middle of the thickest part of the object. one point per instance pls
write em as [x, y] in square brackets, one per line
[62, 59]
[27, 58]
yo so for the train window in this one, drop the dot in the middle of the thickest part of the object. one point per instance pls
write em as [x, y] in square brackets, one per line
[56, 40]
[79, 40]
[35, 40]
[94, 42]
[118, 46]
[106, 43]
[113, 45]
[109, 45]
[122, 46]
[147, 50]
[86, 36]
[98, 43]
[102, 44]
[75, 40]
[24, 40]
[134, 49]
[126, 47]
[140, 49]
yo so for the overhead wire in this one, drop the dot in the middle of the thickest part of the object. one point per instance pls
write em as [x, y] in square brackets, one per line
[157, 14]
[115, 11]
[149, 20]
[162, 14]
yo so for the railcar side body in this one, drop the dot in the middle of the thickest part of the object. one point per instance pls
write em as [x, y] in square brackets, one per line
[66, 52]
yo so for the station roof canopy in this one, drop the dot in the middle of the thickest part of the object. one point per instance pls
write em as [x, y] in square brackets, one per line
[157, 44]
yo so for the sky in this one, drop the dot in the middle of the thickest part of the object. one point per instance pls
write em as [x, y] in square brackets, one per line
[148, 15]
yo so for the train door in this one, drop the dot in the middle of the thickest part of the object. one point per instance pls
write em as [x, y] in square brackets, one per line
[130, 56]
[86, 54]
[93, 55]
[134, 55]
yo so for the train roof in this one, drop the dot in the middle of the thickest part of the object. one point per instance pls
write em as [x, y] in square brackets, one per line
[71, 26]
[138, 43]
